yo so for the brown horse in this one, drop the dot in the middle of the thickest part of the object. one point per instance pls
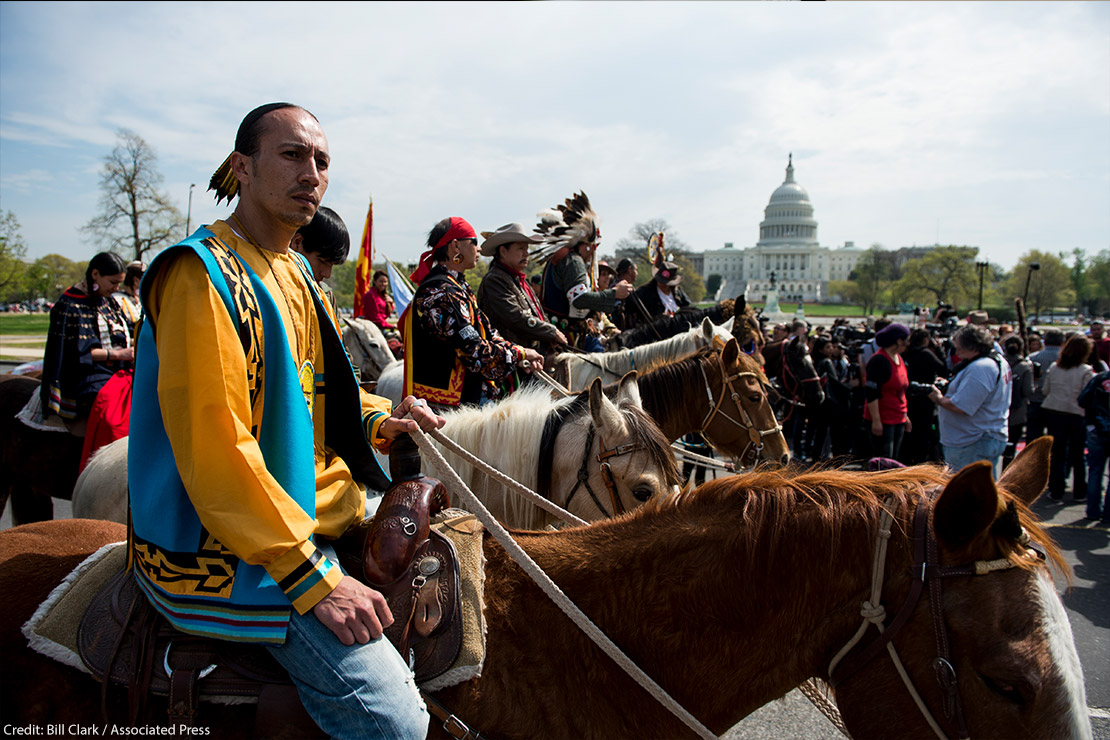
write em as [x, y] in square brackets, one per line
[34, 465]
[721, 393]
[729, 596]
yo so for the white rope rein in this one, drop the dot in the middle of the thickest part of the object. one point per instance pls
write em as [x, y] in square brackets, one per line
[568, 607]
[548, 506]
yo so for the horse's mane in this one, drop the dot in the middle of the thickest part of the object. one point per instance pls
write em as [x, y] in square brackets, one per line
[769, 500]
[513, 443]
[668, 384]
[664, 327]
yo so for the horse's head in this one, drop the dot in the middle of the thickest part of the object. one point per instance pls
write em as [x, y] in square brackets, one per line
[1010, 659]
[747, 331]
[742, 421]
[799, 375]
[626, 459]
[367, 346]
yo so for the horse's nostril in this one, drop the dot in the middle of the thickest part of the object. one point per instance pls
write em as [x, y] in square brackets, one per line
[785, 459]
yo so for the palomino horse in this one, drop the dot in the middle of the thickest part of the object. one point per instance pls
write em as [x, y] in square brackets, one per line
[576, 371]
[367, 347]
[542, 443]
[34, 465]
[720, 393]
[729, 595]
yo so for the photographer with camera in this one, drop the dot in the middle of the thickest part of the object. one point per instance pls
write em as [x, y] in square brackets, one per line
[974, 415]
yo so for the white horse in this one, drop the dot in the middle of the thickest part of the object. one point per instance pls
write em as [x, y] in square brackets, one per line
[548, 444]
[540, 442]
[101, 489]
[367, 346]
[577, 370]
[609, 366]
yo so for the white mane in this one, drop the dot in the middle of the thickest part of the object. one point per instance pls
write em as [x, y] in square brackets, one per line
[611, 366]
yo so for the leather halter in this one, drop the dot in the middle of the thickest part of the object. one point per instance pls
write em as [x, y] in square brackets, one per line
[755, 435]
[552, 427]
[606, 472]
[926, 568]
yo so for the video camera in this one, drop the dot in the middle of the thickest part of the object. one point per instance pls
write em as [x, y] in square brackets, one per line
[944, 328]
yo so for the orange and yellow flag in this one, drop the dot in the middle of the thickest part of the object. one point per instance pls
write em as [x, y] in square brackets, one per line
[364, 268]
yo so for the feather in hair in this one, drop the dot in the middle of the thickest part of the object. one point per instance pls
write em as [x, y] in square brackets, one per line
[565, 227]
[224, 182]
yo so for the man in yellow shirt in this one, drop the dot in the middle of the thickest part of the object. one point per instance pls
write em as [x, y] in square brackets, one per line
[251, 442]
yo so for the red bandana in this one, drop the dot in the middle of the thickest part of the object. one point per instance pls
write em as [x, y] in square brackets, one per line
[459, 229]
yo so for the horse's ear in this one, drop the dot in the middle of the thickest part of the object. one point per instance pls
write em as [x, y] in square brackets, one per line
[1027, 476]
[740, 305]
[707, 330]
[731, 352]
[629, 389]
[604, 413]
[968, 505]
[727, 325]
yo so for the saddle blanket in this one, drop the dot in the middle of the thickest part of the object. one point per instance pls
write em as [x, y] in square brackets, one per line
[52, 629]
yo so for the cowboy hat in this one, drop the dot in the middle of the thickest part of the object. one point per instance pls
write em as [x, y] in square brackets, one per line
[603, 265]
[507, 234]
[978, 317]
[667, 274]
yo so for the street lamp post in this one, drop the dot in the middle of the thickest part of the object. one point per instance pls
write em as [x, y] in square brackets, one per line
[982, 267]
[1029, 276]
[189, 212]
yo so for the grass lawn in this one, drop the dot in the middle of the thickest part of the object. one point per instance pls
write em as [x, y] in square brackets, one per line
[24, 323]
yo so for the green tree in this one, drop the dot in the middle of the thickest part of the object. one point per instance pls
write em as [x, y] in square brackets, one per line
[713, 284]
[48, 277]
[869, 279]
[12, 252]
[135, 216]
[944, 274]
[1098, 283]
[1049, 285]
[1084, 300]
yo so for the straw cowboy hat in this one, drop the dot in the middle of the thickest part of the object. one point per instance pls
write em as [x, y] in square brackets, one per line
[507, 234]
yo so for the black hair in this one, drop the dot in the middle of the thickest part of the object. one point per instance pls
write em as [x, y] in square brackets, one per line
[378, 274]
[919, 337]
[106, 263]
[1014, 345]
[1053, 338]
[326, 235]
[819, 345]
[437, 232]
[623, 265]
[251, 129]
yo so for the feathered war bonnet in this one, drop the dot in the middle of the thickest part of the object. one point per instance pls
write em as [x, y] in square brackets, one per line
[566, 226]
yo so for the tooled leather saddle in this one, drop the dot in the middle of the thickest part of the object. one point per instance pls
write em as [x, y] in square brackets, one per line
[123, 640]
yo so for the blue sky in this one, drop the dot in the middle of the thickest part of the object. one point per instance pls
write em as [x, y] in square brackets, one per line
[973, 123]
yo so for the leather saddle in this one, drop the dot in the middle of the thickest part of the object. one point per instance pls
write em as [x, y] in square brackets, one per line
[123, 640]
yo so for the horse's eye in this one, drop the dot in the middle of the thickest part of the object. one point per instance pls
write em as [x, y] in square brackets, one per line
[643, 494]
[755, 398]
[1005, 689]
[749, 348]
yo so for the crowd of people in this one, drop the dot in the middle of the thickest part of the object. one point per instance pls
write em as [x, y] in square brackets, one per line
[959, 392]
[252, 442]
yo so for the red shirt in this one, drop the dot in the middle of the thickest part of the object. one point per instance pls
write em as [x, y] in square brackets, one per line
[892, 380]
[377, 308]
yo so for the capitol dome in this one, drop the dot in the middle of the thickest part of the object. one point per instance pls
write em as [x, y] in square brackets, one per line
[788, 217]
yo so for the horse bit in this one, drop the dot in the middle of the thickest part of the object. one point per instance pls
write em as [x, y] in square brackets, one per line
[755, 436]
[926, 567]
[603, 457]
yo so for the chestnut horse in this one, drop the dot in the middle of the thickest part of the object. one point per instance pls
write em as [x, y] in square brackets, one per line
[729, 595]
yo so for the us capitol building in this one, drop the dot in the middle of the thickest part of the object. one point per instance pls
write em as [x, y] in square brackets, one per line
[787, 247]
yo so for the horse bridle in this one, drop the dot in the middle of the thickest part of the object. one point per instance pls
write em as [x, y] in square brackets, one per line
[926, 567]
[785, 367]
[603, 457]
[755, 436]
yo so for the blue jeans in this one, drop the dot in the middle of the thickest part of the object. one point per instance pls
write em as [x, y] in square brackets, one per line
[1098, 447]
[985, 448]
[356, 691]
